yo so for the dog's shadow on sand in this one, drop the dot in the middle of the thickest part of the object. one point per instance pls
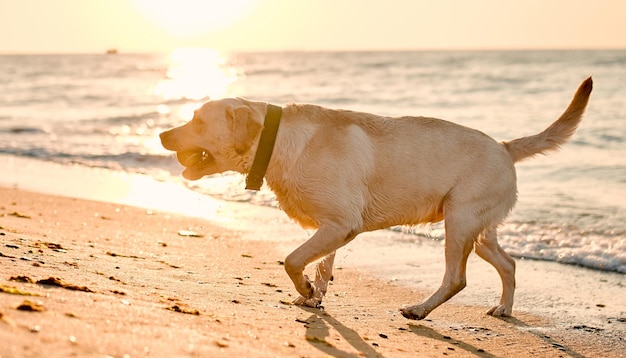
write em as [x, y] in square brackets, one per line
[432, 334]
[318, 330]
[318, 327]
[548, 339]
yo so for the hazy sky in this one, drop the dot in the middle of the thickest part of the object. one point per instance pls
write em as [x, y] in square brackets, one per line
[60, 26]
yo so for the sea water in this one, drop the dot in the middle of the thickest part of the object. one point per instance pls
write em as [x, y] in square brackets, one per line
[106, 111]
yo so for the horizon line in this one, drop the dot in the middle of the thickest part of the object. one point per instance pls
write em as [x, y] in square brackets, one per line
[303, 50]
[118, 50]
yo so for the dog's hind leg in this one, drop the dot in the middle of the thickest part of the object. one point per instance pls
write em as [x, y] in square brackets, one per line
[459, 243]
[322, 244]
[488, 248]
[324, 274]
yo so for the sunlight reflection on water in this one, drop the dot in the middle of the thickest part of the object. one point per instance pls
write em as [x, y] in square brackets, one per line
[196, 74]
[199, 75]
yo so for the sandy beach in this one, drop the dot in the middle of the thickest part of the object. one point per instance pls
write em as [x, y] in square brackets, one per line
[99, 263]
[95, 279]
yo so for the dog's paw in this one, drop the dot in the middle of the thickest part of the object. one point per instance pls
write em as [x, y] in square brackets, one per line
[414, 312]
[309, 289]
[308, 302]
[500, 311]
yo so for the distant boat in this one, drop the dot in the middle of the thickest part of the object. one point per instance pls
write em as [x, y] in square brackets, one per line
[111, 51]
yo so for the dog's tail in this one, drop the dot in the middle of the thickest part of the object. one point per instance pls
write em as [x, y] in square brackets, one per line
[557, 133]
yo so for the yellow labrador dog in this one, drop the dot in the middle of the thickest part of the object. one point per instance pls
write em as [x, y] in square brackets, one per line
[345, 172]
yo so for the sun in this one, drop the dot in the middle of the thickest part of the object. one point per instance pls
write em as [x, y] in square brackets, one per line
[184, 18]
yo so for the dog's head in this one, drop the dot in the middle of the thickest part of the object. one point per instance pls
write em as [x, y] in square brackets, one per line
[219, 138]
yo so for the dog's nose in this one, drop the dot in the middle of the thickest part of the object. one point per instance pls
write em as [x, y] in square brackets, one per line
[163, 137]
[166, 140]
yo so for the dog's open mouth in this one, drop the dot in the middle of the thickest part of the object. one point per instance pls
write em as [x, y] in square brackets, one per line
[197, 163]
[194, 158]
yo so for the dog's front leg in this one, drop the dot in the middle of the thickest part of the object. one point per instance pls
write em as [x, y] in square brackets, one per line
[323, 275]
[323, 244]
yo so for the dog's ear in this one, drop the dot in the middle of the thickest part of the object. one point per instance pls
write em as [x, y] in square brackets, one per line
[246, 127]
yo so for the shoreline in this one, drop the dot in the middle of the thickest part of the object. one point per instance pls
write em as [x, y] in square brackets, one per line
[576, 313]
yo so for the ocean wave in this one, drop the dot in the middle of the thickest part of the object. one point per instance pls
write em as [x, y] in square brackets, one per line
[595, 248]
[185, 100]
[125, 119]
[23, 130]
[615, 58]
[264, 72]
[132, 162]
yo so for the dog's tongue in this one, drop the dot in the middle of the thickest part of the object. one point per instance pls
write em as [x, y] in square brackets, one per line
[188, 158]
[193, 159]
[191, 174]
